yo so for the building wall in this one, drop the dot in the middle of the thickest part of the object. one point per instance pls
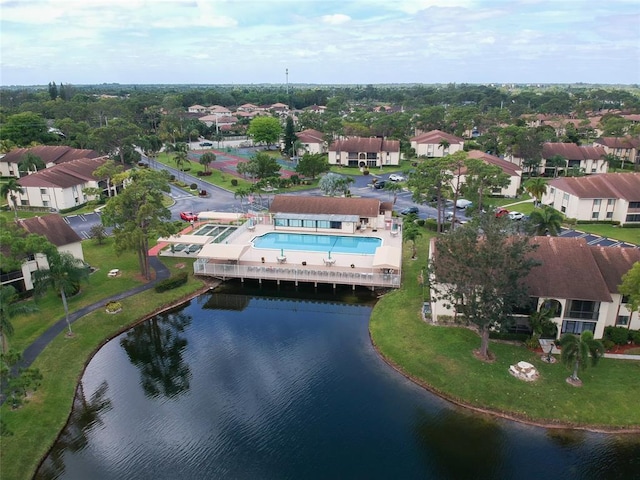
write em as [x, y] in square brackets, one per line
[435, 150]
[56, 198]
[382, 158]
[586, 209]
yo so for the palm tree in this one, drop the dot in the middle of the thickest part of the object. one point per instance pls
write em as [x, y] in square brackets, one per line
[206, 159]
[410, 232]
[444, 144]
[536, 187]
[545, 221]
[29, 162]
[64, 275]
[393, 188]
[242, 193]
[9, 308]
[577, 350]
[9, 189]
[179, 150]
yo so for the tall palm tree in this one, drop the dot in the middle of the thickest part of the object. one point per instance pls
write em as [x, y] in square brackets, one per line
[9, 189]
[9, 308]
[536, 187]
[64, 274]
[180, 150]
[577, 350]
[545, 221]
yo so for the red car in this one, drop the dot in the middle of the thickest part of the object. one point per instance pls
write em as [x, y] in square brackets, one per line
[501, 212]
[189, 216]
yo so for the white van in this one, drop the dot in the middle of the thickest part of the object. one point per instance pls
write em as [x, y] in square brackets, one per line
[462, 203]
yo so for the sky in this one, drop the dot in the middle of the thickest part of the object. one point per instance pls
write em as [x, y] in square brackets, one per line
[319, 41]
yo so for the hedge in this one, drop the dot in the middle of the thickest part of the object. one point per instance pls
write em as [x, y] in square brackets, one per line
[172, 282]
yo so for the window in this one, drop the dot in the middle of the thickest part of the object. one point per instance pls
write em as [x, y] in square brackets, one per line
[577, 328]
[633, 218]
[611, 202]
[609, 215]
[552, 191]
[583, 309]
[596, 202]
[565, 197]
[594, 215]
[45, 203]
[563, 209]
[43, 191]
[625, 299]
[634, 204]
[593, 170]
[622, 320]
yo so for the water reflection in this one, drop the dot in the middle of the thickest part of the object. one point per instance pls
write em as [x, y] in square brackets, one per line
[85, 416]
[156, 347]
[460, 445]
[239, 386]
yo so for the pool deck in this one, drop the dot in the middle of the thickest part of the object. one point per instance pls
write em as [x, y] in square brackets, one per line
[302, 266]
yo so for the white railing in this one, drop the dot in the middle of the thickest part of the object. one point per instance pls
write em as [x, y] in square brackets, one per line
[297, 274]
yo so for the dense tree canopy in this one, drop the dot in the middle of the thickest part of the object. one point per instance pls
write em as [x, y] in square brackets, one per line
[265, 130]
[478, 270]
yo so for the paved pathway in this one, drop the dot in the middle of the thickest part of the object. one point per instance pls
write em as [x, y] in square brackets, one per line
[36, 348]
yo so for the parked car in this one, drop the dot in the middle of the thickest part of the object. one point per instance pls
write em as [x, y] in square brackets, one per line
[394, 177]
[463, 203]
[206, 144]
[516, 215]
[379, 184]
[501, 212]
[409, 210]
[189, 216]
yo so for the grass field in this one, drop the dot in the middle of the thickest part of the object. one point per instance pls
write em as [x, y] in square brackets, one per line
[441, 357]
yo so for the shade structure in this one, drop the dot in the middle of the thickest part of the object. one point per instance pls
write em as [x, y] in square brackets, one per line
[188, 239]
[223, 216]
[222, 251]
[387, 257]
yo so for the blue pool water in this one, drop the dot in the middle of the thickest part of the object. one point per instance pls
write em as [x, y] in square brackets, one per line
[318, 243]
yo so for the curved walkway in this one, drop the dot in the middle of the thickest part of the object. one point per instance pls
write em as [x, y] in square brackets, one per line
[32, 351]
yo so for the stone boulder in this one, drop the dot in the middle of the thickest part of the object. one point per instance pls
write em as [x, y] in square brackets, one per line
[524, 371]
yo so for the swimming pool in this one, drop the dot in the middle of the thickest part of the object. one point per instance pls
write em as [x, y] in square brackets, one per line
[309, 242]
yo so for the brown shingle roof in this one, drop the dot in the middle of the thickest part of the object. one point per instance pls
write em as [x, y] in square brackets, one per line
[618, 142]
[363, 207]
[614, 262]
[571, 151]
[65, 175]
[507, 167]
[362, 144]
[435, 137]
[568, 270]
[52, 227]
[310, 136]
[49, 154]
[603, 185]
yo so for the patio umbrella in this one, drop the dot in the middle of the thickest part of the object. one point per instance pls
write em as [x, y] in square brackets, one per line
[329, 254]
[282, 252]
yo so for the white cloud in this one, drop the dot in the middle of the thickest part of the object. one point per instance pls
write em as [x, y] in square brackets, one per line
[336, 19]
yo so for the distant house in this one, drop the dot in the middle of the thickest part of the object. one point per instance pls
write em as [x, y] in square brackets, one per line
[61, 186]
[280, 108]
[316, 109]
[607, 196]
[578, 282]
[625, 148]
[55, 230]
[513, 171]
[197, 109]
[50, 156]
[436, 143]
[586, 158]
[218, 110]
[249, 108]
[312, 141]
[364, 152]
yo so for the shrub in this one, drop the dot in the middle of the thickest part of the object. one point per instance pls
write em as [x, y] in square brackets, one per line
[234, 182]
[193, 186]
[172, 282]
[113, 307]
[634, 335]
[431, 224]
[421, 222]
[608, 344]
[172, 178]
[618, 335]
[365, 172]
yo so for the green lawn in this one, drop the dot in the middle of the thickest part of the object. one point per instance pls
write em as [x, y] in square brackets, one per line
[36, 425]
[441, 357]
[631, 235]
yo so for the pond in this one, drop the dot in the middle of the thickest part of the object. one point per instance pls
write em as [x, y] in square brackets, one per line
[243, 386]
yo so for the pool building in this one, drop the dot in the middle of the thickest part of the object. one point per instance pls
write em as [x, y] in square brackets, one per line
[311, 239]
